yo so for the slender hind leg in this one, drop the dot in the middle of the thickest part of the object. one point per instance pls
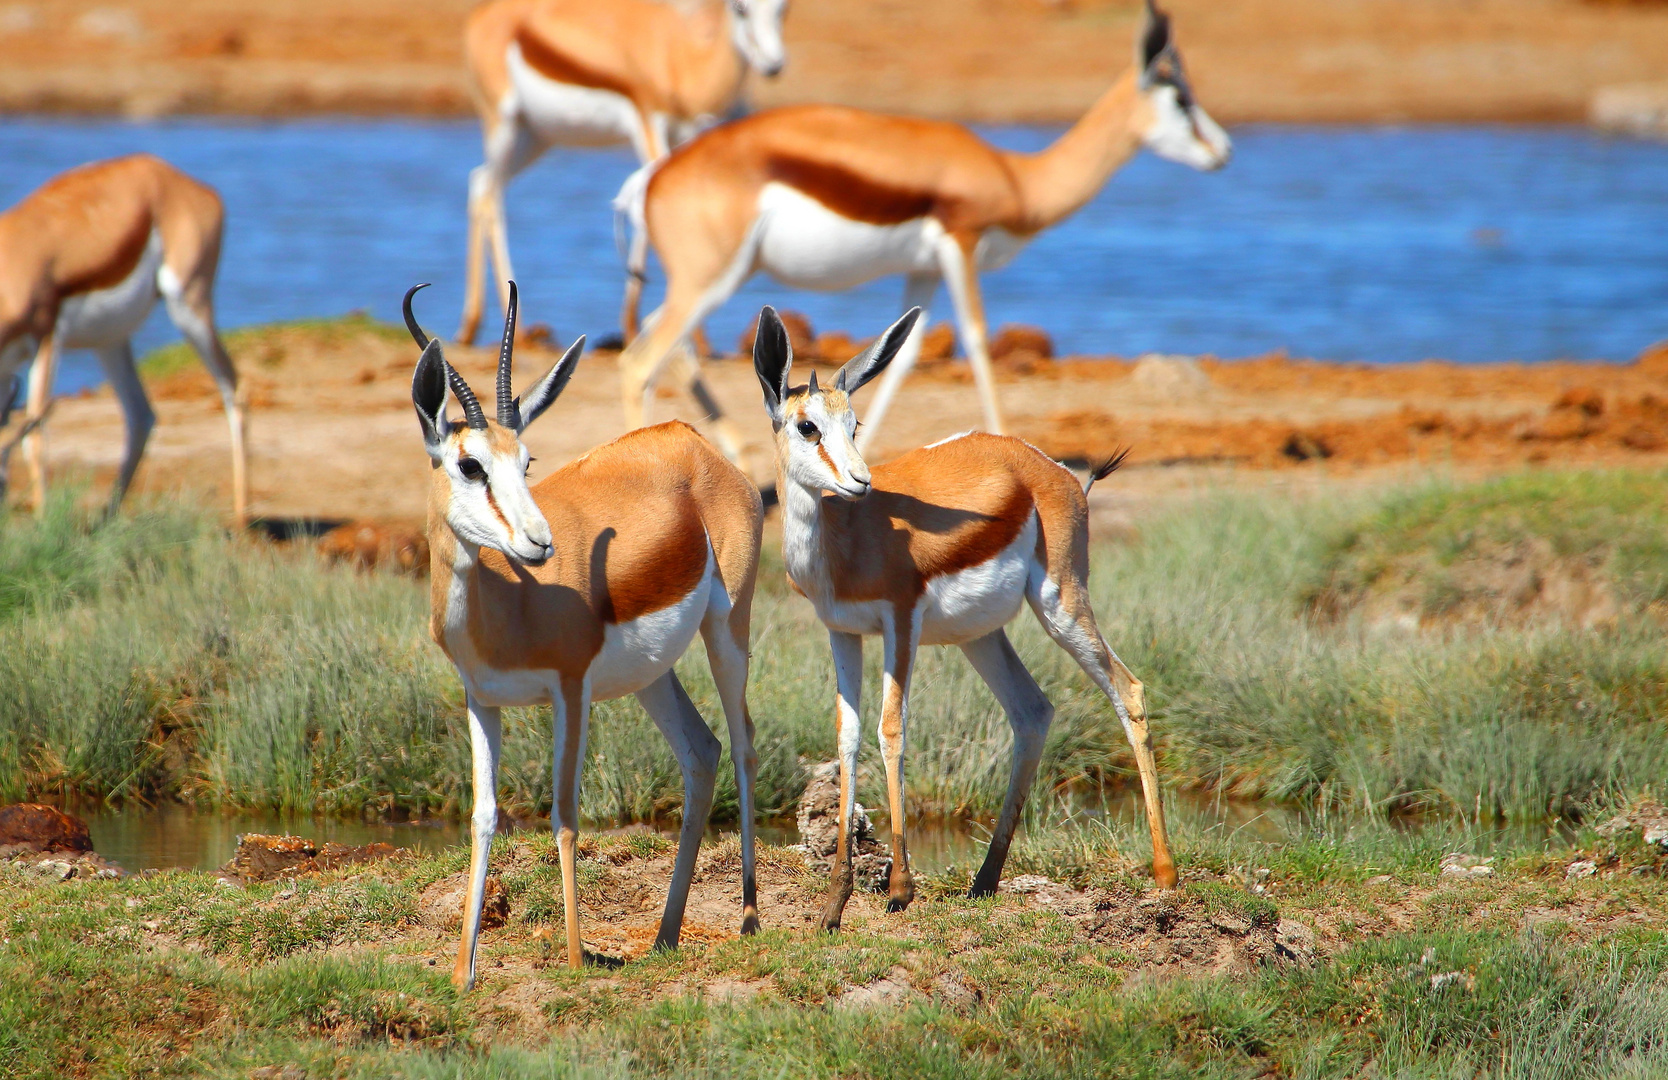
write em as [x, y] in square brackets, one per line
[848, 680]
[192, 310]
[571, 720]
[727, 656]
[901, 636]
[139, 419]
[484, 740]
[961, 274]
[697, 750]
[1072, 626]
[685, 368]
[1029, 715]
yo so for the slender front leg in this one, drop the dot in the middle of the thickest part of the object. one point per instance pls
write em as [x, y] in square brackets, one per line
[697, 751]
[1029, 715]
[918, 291]
[571, 722]
[848, 680]
[685, 369]
[34, 443]
[726, 638]
[484, 740]
[139, 419]
[900, 636]
[961, 273]
[474, 263]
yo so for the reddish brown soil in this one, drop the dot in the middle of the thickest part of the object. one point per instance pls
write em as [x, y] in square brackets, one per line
[332, 433]
[989, 59]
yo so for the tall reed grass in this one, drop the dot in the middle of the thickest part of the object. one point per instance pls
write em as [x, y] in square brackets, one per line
[158, 657]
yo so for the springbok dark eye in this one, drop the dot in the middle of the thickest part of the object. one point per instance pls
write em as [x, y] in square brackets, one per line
[471, 469]
[808, 429]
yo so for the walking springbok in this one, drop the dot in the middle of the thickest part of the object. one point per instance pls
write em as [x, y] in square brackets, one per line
[938, 547]
[581, 73]
[587, 586]
[822, 197]
[82, 262]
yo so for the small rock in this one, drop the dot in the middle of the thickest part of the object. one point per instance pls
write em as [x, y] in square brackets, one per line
[1296, 941]
[1174, 378]
[52, 869]
[1581, 868]
[1381, 879]
[1459, 864]
[1025, 884]
[819, 824]
[1017, 345]
[278, 1072]
[892, 991]
[952, 992]
[42, 828]
[1230, 923]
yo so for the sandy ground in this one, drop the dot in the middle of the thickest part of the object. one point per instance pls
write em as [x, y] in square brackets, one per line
[1326, 60]
[332, 434]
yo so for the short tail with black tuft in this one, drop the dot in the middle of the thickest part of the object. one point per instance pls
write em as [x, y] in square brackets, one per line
[1107, 468]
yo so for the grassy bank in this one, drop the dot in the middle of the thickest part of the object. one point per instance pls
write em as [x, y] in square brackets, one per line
[159, 658]
[1524, 974]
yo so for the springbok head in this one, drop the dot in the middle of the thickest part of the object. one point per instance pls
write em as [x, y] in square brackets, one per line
[815, 425]
[1176, 126]
[756, 29]
[484, 462]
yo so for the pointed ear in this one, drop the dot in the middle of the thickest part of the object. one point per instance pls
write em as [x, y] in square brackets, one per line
[873, 360]
[428, 394]
[772, 360]
[549, 388]
[1154, 40]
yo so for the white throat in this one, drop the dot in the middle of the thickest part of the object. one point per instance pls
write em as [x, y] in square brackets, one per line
[802, 536]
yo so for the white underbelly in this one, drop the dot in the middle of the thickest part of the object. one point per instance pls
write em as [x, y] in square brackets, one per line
[957, 607]
[971, 603]
[92, 320]
[636, 653]
[558, 112]
[805, 244]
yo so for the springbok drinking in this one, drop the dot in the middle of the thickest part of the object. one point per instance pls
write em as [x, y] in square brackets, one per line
[938, 547]
[82, 262]
[587, 586]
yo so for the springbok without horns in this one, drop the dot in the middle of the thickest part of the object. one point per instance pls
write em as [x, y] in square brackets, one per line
[587, 586]
[938, 547]
[579, 73]
[82, 262]
[822, 197]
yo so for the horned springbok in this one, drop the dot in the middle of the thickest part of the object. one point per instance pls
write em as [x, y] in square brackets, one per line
[589, 585]
[938, 547]
[823, 197]
[82, 262]
[582, 73]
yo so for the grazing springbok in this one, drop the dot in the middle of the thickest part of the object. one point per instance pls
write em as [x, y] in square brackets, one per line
[938, 547]
[82, 262]
[589, 585]
[823, 197]
[581, 73]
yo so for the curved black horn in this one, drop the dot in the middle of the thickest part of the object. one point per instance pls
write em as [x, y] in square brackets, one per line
[472, 413]
[411, 320]
[509, 410]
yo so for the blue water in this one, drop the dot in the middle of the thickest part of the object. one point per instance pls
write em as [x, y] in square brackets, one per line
[1378, 244]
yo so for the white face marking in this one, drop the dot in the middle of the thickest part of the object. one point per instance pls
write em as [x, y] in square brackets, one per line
[490, 505]
[821, 455]
[756, 29]
[1185, 135]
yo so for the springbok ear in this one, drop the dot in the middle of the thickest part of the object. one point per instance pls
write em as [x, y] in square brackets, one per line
[428, 394]
[545, 392]
[873, 360]
[772, 360]
[1155, 39]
